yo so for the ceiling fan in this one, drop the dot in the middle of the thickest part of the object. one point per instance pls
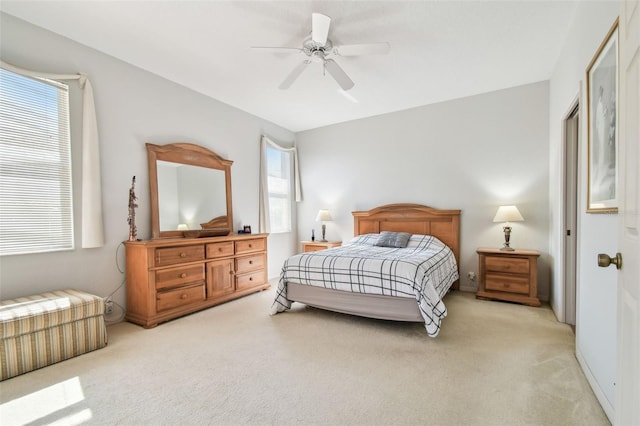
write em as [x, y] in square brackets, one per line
[319, 48]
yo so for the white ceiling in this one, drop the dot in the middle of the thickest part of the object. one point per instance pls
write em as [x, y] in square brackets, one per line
[440, 50]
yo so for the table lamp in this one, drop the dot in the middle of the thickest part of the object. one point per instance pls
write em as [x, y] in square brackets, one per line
[323, 216]
[507, 214]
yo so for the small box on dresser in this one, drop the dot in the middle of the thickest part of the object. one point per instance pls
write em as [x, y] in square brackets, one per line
[508, 275]
[169, 278]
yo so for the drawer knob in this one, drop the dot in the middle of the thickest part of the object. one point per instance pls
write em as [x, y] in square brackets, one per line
[250, 246]
[183, 254]
[250, 278]
[183, 275]
[220, 249]
[251, 262]
[183, 296]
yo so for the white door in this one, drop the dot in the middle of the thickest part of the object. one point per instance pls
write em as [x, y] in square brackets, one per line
[627, 410]
[596, 315]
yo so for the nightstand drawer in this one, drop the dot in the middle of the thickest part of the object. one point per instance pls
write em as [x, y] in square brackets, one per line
[511, 265]
[309, 246]
[508, 283]
[314, 247]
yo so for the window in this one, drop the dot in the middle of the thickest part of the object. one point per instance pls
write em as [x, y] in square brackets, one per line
[36, 211]
[279, 187]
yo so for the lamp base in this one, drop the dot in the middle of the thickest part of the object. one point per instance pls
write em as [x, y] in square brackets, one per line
[507, 237]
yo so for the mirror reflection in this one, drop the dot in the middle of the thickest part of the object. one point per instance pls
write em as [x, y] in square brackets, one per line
[182, 202]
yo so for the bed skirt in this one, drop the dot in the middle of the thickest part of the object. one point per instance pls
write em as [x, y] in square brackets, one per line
[364, 305]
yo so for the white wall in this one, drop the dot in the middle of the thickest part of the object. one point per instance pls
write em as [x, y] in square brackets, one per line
[597, 233]
[133, 107]
[473, 154]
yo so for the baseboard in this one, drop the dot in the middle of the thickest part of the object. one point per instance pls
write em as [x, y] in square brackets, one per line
[597, 390]
[468, 288]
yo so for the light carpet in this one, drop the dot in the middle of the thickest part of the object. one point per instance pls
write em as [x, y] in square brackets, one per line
[492, 364]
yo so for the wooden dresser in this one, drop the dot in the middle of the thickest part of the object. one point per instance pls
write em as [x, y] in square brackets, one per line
[168, 278]
[508, 275]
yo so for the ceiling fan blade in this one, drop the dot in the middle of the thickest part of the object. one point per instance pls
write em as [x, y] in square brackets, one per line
[320, 28]
[362, 49]
[293, 75]
[268, 49]
[338, 74]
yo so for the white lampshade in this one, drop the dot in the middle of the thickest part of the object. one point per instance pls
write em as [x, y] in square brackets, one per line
[508, 214]
[323, 216]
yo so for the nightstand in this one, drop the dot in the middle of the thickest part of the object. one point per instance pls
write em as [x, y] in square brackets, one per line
[308, 246]
[508, 275]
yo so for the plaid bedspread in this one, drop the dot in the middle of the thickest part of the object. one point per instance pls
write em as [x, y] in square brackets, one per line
[424, 270]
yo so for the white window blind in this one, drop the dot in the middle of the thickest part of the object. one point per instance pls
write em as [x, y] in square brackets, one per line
[279, 186]
[36, 208]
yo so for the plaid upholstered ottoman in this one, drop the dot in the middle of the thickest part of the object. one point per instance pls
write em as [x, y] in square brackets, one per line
[43, 329]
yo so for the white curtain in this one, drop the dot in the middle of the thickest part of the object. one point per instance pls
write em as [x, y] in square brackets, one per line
[92, 225]
[264, 225]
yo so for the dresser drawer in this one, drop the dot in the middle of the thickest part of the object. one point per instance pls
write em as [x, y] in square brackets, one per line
[250, 246]
[512, 265]
[175, 255]
[180, 297]
[250, 263]
[507, 283]
[250, 279]
[173, 277]
[223, 249]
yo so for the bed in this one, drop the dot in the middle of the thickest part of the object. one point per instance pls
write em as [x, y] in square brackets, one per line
[357, 279]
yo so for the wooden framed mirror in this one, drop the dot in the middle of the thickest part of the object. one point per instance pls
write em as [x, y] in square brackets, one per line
[190, 191]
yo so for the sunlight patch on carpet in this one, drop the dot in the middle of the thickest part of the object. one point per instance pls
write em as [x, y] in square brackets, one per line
[46, 403]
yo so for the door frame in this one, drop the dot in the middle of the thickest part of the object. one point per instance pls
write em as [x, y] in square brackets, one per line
[570, 181]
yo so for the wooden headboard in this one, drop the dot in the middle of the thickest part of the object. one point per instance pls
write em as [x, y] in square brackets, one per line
[414, 219]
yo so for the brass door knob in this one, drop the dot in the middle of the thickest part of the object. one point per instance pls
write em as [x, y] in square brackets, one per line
[605, 260]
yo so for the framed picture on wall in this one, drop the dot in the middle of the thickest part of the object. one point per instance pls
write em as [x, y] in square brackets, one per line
[602, 104]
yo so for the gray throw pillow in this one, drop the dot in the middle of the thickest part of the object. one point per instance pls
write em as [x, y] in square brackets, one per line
[393, 239]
